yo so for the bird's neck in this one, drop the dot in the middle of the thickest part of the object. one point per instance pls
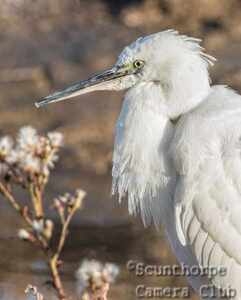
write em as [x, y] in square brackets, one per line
[179, 107]
[141, 165]
[184, 90]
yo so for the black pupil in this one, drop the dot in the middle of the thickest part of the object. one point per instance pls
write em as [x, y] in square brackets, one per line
[138, 64]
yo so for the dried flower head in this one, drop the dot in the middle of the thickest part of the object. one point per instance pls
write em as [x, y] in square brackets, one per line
[28, 138]
[38, 226]
[33, 154]
[32, 293]
[110, 272]
[93, 275]
[89, 272]
[6, 146]
[80, 195]
[48, 229]
[23, 234]
[67, 202]
[13, 157]
[29, 163]
[56, 139]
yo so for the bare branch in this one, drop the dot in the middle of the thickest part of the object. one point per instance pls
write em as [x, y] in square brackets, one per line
[23, 211]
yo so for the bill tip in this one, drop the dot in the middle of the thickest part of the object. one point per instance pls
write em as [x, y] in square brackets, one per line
[37, 104]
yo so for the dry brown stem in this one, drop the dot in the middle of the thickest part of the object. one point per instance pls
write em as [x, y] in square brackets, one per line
[28, 166]
[23, 211]
[54, 261]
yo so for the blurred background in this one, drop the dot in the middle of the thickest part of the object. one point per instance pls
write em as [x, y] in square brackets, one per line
[48, 44]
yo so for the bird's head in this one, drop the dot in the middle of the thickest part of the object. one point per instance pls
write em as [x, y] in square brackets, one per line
[176, 62]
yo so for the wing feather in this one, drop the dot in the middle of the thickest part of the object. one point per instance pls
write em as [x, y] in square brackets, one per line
[209, 165]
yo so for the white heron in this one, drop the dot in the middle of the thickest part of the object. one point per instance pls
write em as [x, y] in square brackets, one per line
[177, 150]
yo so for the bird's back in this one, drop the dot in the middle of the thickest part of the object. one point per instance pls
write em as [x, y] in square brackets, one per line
[206, 149]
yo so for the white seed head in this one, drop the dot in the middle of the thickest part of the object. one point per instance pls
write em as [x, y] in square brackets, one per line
[110, 272]
[30, 163]
[50, 159]
[94, 273]
[80, 193]
[65, 198]
[23, 234]
[38, 225]
[78, 199]
[90, 271]
[6, 145]
[56, 139]
[27, 138]
[48, 229]
[32, 293]
[13, 157]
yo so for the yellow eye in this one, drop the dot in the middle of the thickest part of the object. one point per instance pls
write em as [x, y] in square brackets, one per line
[138, 64]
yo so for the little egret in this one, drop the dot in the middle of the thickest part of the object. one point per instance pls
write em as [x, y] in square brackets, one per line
[177, 152]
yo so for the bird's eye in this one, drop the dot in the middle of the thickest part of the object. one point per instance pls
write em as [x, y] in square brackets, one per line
[138, 64]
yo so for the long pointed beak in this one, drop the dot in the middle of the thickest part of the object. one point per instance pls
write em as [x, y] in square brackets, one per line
[102, 81]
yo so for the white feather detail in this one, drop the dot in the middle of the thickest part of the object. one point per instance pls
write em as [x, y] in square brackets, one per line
[179, 227]
[141, 168]
[206, 149]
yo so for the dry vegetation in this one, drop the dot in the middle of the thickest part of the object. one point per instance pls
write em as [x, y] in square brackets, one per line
[27, 164]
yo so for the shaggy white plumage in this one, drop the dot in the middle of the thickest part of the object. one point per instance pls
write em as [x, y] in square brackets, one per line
[177, 150]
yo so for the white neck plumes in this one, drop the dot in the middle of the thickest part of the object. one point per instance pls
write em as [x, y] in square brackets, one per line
[141, 167]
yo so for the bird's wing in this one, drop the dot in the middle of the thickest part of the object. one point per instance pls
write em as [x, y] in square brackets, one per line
[208, 195]
[211, 225]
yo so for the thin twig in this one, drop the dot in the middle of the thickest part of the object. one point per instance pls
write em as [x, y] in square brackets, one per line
[64, 232]
[54, 261]
[53, 264]
[36, 200]
[38, 239]
[23, 211]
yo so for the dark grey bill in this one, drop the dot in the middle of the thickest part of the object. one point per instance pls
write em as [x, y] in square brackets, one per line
[82, 86]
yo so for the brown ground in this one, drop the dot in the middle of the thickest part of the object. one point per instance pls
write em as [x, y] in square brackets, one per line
[48, 44]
